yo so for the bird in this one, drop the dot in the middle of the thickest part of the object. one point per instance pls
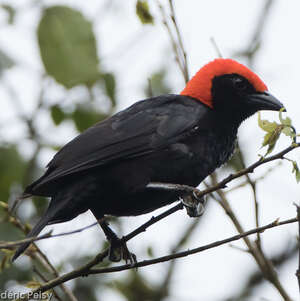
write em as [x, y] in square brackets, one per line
[173, 138]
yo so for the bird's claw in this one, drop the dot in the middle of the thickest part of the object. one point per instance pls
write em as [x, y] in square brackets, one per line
[118, 250]
[194, 205]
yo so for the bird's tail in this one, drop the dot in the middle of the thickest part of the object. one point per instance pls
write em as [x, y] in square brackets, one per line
[56, 213]
[34, 232]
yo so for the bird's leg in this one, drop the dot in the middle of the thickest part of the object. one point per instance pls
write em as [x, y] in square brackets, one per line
[118, 249]
[193, 204]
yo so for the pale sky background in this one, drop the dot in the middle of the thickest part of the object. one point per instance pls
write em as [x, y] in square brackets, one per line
[133, 52]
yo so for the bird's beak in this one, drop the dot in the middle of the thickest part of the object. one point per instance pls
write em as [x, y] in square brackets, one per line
[265, 101]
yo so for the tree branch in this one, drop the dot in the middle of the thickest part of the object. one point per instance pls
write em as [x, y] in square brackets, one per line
[192, 251]
[255, 42]
[178, 48]
[298, 271]
[225, 181]
[247, 170]
[35, 270]
[87, 270]
[180, 43]
[262, 261]
[11, 244]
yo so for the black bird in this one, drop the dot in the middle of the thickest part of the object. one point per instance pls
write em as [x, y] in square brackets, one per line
[169, 138]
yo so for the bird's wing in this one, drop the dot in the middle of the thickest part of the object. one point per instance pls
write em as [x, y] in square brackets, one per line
[139, 130]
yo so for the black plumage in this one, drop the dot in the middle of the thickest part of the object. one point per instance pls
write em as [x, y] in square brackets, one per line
[169, 138]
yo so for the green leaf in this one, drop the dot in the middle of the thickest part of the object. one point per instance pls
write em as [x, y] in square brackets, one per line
[3, 205]
[68, 47]
[150, 252]
[6, 62]
[33, 284]
[85, 117]
[296, 171]
[135, 288]
[6, 260]
[143, 12]
[57, 114]
[110, 87]
[266, 125]
[12, 169]
[288, 131]
[157, 84]
[236, 161]
[287, 121]
[273, 130]
[11, 12]
[271, 138]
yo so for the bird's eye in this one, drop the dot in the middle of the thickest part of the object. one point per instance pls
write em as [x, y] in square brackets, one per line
[240, 84]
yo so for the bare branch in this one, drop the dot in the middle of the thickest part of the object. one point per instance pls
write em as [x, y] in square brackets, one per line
[191, 251]
[41, 257]
[255, 42]
[178, 49]
[11, 244]
[262, 261]
[298, 271]
[224, 182]
[256, 278]
[35, 270]
[263, 176]
[180, 42]
[216, 47]
[254, 192]
[247, 170]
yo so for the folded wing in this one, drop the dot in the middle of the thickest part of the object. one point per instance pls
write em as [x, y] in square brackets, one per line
[143, 128]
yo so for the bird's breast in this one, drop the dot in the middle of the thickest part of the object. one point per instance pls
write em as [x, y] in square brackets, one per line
[197, 156]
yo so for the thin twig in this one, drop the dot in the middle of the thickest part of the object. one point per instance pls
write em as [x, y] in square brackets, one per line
[247, 170]
[256, 208]
[83, 271]
[216, 47]
[256, 278]
[225, 181]
[174, 44]
[152, 221]
[251, 49]
[254, 192]
[165, 284]
[35, 270]
[41, 257]
[263, 176]
[298, 271]
[262, 261]
[180, 42]
[10, 244]
[191, 251]
[52, 270]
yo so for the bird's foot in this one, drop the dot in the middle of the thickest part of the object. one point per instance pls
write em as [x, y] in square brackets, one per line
[193, 204]
[118, 250]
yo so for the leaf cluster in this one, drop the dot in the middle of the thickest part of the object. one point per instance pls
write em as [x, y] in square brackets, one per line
[273, 131]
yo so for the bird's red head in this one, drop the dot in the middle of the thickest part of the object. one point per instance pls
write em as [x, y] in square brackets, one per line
[200, 85]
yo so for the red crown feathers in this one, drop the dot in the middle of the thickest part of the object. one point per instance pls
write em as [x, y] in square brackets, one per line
[199, 86]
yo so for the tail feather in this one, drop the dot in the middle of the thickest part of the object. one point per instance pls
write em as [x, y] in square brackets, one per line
[34, 232]
[59, 210]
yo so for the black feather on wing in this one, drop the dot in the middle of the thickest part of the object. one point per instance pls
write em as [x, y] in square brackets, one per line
[145, 127]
